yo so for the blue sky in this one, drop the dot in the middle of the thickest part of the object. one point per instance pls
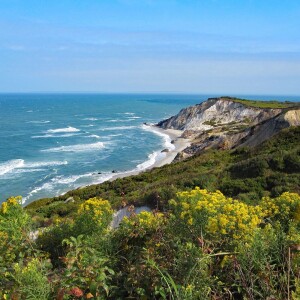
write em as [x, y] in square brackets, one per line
[188, 46]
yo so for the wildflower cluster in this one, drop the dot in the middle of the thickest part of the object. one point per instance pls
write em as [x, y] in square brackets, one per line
[94, 213]
[31, 279]
[14, 222]
[142, 223]
[284, 208]
[9, 204]
[216, 215]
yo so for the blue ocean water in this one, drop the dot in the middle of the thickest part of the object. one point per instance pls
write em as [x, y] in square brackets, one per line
[51, 143]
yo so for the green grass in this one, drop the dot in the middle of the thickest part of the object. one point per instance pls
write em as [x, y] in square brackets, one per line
[264, 104]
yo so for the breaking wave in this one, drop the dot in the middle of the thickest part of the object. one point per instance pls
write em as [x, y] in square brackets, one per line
[76, 148]
[11, 165]
[67, 129]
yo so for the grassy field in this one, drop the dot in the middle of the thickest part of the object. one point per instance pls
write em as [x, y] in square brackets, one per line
[264, 104]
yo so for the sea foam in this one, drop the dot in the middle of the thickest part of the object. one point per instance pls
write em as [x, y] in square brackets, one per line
[39, 122]
[90, 119]
[167, 140]
[77, 148]
[152, 158]
[10, 165]
[45, 164]
[20, 166]
[93, 136]
[54, 135]
[57, 183]
[117, 128]
[67, 129]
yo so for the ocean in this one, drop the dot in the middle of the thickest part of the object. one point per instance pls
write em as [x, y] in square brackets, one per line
[52, 143]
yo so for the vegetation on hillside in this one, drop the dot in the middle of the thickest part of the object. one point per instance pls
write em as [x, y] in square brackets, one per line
[246, 174]
[204, 246]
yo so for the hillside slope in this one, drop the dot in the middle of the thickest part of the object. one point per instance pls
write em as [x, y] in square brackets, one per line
[245, 173]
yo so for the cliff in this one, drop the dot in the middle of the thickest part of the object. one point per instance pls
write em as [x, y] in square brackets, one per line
[226, 123]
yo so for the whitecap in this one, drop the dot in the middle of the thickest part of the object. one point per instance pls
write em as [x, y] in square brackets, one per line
[45, 164]
[69, 179]
[114, 120]
[93, 136]
[76, 148]
[45, 186]
[10, 165]
[134, 117]
[113, 135]
[90, 119]
[20, 171]
[38, 122]
[117, 128]
[18, 166]
[67, 129]
[53, 135]
[62, 183]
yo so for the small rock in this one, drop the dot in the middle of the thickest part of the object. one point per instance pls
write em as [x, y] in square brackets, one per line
[165, 150]
[114, 171]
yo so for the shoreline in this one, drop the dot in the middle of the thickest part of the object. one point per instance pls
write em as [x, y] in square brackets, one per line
[179, 145]
[164, 157]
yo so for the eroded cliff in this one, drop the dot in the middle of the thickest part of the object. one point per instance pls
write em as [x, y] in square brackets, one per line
[226, 123]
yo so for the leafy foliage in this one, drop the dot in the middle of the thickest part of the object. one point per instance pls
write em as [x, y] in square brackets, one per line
[31, 280]
[204, 246]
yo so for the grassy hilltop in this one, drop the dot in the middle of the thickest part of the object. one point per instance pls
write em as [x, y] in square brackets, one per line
[263, 104]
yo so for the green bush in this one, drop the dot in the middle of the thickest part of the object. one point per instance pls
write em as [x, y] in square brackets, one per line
[31, 280]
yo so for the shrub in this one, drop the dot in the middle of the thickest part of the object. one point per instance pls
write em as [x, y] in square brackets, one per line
[214, 216]
[285, 208]
[50, 240]
[94, 215]
[14, 235]
[87, 272]
[31, 280]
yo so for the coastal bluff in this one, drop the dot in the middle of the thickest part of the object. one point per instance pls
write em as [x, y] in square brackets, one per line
[227, 123]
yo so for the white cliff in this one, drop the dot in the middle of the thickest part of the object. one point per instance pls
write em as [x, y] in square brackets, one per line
[226, 123]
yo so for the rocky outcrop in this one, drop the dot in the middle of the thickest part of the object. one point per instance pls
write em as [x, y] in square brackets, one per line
[224, 123]
[265, 130]
[216, 112]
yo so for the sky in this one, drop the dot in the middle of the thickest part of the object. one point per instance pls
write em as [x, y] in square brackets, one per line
[178, 46]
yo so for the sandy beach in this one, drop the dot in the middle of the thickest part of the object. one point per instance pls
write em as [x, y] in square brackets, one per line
[179, 145]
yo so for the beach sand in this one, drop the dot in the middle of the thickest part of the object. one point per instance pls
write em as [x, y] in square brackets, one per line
[179, 145]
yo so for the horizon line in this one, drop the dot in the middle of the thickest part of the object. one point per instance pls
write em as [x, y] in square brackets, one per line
[148, 93]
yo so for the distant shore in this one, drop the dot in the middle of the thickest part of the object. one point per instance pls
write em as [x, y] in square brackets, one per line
[179, 145]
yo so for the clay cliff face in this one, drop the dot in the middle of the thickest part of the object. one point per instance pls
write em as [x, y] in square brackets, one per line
[226, 124]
